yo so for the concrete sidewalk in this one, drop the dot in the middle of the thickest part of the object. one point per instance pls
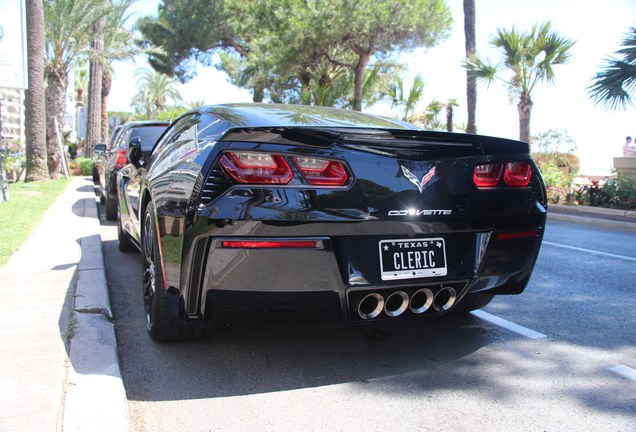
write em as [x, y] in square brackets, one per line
[59, 368]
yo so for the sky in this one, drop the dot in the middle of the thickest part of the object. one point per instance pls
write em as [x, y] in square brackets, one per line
[597, 27]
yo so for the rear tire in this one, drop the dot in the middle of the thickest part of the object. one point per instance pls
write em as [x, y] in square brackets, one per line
[473, 302]
[161, 326]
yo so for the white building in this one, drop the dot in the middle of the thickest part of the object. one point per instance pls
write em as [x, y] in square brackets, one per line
[12, 115]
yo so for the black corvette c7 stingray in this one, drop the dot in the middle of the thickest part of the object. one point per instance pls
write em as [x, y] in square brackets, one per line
[252, 206]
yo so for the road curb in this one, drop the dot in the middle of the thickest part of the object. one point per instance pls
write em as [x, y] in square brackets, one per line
[593, 221]
[95, 397]
[624, 215]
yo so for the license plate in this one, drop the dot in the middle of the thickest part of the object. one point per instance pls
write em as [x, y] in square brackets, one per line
[407, 259]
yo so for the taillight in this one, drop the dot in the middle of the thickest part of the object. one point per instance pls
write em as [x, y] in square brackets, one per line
[516, 235]
[321, 172]
[487, 175]
[255, 167]
[517, 174]
[269, 244]
[121, 158]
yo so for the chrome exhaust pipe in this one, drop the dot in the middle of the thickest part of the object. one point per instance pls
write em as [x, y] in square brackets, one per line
[396, 304]
[444, 299]
[370, 306]
[421, 301]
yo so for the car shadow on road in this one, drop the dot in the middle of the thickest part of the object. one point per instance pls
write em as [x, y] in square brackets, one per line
[252, 353]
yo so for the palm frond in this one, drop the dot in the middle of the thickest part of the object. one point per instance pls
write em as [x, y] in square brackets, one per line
[614, 86]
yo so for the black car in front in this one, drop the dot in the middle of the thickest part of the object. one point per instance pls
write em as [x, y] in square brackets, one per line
[242, 207]
[146, 132]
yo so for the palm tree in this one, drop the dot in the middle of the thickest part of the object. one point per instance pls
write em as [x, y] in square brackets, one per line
[36, 168]
[527, 60]
[155, 89]
[115, 44]
[117, 47]
[406, 101]
[614, 87]
[471, 50]
[95, 72]
[450, 104]
[69, 29]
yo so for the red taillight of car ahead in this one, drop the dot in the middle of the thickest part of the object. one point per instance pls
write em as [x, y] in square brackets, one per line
[121, 158]
[322, 172]
[255, 167]
[515, 174]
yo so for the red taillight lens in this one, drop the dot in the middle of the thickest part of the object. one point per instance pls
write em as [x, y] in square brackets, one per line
[486, 176]
[267, 244]
[322, 172]
[121, 158]
[517, 174]
[255, 167]
[517, 235]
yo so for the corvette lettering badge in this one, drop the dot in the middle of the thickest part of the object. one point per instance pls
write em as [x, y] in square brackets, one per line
[413, 178]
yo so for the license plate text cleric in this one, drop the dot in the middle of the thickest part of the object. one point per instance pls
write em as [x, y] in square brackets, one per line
[404, 259]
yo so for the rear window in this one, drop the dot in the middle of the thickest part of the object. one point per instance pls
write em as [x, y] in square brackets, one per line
[149, 135]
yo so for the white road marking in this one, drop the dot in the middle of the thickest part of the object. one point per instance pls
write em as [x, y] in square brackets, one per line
[508, 325]
[605, 254]
[624, 371]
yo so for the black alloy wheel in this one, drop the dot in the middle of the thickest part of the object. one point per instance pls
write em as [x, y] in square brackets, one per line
[161, 326]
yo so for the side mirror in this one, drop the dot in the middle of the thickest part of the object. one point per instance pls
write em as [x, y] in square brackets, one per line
[134, 150]
[99, 149]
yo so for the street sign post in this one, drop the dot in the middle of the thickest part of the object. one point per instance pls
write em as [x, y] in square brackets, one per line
[13, 44]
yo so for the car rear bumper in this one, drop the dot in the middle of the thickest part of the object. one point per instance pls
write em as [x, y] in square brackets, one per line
[336, 272]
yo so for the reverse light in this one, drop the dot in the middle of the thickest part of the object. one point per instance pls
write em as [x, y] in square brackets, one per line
[487, 175]
[517, 174]
[256, 167]
[321, 172]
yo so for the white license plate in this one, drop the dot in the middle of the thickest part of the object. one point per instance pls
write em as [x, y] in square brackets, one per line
[408, 258]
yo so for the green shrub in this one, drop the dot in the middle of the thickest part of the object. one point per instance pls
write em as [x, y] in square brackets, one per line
[558, 182]
[84, 166]
[617, 192]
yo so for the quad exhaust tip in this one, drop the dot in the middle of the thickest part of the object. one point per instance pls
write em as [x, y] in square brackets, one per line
[371, 306]
[398, 302]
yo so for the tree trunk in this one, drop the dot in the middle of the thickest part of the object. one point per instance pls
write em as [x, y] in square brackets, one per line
[358, 79]
[106, 86]
[94, 117]
[525, 109]
[36, 157]
[55, 103]
[259, 93]
[471, 50]
[449, 117]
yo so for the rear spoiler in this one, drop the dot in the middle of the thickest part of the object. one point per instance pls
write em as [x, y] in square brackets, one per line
[395, 142]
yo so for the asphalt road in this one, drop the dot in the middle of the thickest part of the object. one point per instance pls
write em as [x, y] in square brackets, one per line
[562, 358]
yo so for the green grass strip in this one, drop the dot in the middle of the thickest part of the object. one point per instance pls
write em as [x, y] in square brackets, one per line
[24, 210]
